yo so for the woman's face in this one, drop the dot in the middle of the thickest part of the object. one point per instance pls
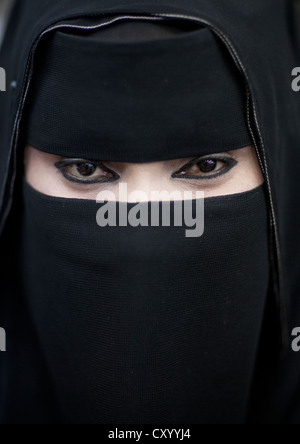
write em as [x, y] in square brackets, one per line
[219, 174]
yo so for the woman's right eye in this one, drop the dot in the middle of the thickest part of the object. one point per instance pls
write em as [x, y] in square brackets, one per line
[86, 172]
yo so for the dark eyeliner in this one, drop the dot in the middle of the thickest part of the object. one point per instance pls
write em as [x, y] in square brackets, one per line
[231, 163]
[61, 165]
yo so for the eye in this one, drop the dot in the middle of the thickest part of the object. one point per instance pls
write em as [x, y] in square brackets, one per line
[206, 168]
[86, 172]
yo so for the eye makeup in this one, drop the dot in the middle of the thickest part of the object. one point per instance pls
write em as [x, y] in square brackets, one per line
[86, 172]
[209, 167]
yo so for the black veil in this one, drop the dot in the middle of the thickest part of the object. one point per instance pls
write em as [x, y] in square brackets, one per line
[262, 41]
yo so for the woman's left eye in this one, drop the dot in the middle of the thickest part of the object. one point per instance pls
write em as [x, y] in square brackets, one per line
[86, 172]
[206, 168]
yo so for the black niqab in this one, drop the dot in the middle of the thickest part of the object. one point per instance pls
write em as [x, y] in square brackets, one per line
[261, 41]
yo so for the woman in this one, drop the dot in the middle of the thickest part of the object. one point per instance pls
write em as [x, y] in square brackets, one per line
[114, 323]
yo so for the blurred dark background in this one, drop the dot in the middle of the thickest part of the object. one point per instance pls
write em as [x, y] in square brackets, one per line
[5, 6]
[297, 6]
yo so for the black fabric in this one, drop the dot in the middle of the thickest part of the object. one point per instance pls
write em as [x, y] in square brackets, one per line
[141, 324]
[112, 101]
[263, 43]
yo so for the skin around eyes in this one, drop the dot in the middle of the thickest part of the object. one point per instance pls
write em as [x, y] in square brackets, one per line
[217, 175]
[88, 172]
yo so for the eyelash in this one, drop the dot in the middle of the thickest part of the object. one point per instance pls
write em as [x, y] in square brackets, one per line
[62, 165]
[228, 161]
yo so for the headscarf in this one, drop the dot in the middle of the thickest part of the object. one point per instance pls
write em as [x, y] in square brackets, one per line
[182, 347]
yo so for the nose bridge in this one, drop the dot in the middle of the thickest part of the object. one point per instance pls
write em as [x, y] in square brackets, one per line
[146, 177]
